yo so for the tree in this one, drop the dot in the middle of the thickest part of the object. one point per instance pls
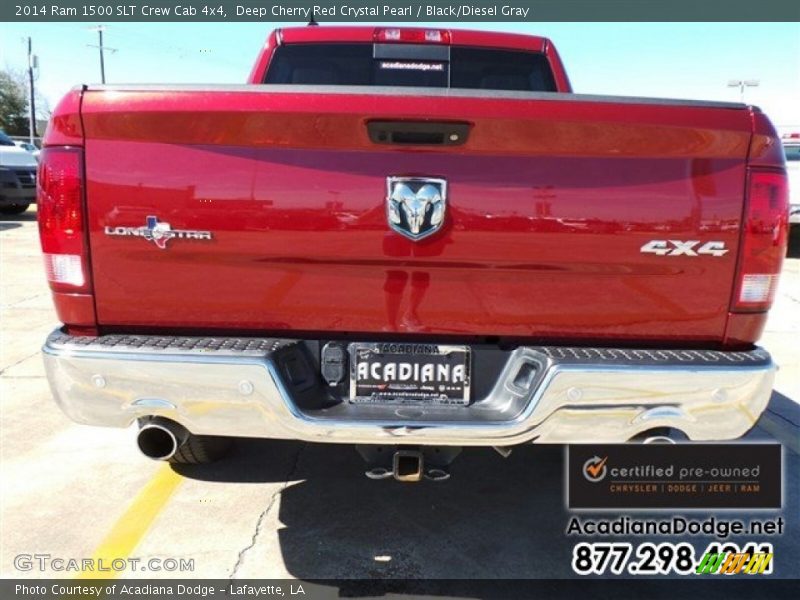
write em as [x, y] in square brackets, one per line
[13, 103]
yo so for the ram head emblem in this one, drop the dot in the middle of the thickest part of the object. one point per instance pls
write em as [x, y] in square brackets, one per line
[415, 206]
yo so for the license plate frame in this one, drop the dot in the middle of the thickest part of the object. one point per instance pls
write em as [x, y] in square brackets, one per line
[442, 390]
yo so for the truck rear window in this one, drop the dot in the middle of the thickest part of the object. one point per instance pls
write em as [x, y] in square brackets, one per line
[410, 65]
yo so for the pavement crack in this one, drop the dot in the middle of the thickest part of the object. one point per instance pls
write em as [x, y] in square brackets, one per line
[18, 302]
[263, 516]
[792, 298]
[21, 360]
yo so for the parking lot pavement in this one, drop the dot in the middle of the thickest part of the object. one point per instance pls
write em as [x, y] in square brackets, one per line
[281, 509]
[783, 327]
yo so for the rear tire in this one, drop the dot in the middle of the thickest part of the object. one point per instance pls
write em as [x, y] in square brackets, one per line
[660, 435]
[201, 449]
[13, 209]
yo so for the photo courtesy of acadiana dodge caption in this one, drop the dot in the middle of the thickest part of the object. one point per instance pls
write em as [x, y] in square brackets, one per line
[413, 241]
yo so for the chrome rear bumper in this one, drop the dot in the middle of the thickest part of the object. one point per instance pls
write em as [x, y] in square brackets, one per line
[248, 387]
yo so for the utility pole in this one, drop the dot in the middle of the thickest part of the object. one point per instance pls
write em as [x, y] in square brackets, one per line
[102, 60]
[100, 29]
[33, 62]
[742, 84]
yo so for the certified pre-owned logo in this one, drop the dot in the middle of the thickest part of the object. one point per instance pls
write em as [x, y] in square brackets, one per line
[415, 206]
[594, 469]
[158, 233]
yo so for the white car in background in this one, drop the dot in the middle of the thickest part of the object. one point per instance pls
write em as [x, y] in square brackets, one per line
[17, 177]
[791, 147]
[28, 147]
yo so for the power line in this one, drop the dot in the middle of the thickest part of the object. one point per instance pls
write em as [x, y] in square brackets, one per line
[182, 51]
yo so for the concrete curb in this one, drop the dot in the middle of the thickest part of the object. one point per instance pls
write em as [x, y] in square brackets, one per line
[782, 421]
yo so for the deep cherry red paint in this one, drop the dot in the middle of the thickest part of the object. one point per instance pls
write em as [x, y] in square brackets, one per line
[549, 204]
[64, 128]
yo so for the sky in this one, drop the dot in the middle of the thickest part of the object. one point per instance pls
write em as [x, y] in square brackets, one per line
[667, 60]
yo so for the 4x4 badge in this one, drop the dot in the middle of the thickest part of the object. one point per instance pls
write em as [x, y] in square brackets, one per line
[158, 233]
[684, 248]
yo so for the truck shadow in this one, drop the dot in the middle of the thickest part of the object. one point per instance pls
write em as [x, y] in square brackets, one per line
[487, 521]
[496, 519]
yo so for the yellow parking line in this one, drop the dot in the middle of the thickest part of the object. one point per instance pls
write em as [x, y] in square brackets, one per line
[131, 527]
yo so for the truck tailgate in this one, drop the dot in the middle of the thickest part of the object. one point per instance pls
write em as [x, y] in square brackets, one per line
[550, 202]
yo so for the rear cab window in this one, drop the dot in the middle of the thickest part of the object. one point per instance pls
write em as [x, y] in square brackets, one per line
[419, 65]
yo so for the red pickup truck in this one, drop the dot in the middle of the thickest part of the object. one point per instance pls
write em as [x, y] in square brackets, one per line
[411, 240]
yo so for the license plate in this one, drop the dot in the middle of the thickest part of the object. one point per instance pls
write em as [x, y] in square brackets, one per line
[409, 373]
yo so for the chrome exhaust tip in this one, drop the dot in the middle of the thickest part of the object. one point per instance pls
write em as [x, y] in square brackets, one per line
[408, 465]
[160, 438]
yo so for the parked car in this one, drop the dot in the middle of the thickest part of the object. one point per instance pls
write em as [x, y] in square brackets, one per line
[791, 147]
[28, 147]
[17, 177]
[410, 240]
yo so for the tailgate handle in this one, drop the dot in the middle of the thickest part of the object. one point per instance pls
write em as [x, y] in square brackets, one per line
[418, 133]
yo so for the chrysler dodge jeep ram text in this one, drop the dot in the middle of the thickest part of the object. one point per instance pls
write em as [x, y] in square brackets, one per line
[410, 240]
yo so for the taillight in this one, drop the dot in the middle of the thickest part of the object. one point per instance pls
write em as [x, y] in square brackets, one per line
[62, 230]
[411, 36]
[764, 239]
